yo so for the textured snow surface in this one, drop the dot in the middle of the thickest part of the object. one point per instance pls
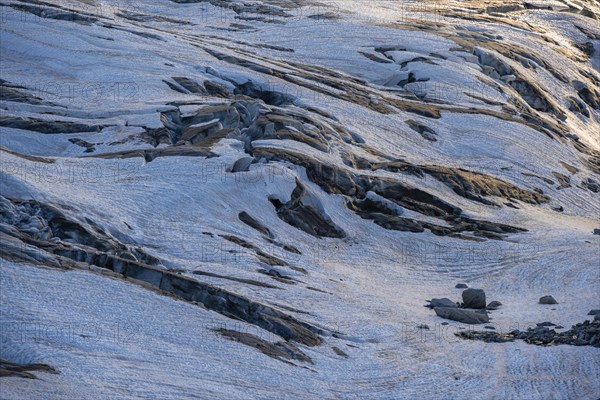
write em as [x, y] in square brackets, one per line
[337, 61]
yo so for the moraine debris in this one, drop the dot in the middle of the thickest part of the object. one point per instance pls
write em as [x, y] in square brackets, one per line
[583, 334]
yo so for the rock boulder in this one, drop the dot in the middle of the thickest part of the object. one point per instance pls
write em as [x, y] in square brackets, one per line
[441, 303]
[474, 298]
[462, 315]
[547, 300]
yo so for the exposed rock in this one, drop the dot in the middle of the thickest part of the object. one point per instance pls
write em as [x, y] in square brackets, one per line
[232, 278]
[245, 8]
[278, 276]
[56, 12]
[487, 58]
[569, 168]
[9, 92]
[589, 95]
[493, 305]
[324, 16]
[253, 223]
[376, 58]
[138, 17]
[425, 131]
[261, 255]
[582, 334]
[488, 337]
[577, 105]
[242, 165]
[444, 302]
[151, 154]
[534, 96]
[589, 13]
[465, 183]
[339, 352]
[189, 85]
[461, 286]
[547, 323]
[594, 312]
[216, 89]
[240, 242]
[591, 184]
[547, 300]
[462, 315]
[373, 202]
[337, 180]
[48, 231]
[8, 368]
[49, 127]
[89, 147]
[279, 350]
[270, 97]
[305, 212]
[33, 222]
[270, 259]
[563, 180]
[474, 298]
[287, 247]
[423, 326]
[596, 231]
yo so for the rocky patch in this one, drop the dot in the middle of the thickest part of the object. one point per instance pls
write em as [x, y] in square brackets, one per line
[356, 186]
[587, 94]
[52, 11]
[280, 350]
[582, 334]
[232, 278]
[44, 235]
[305, 212]
[424, 131]
[16, 93]
[563, 180]
[471, 311]
[48, 127]
[89, 147]
[253, 223]
[591, 184]
[10, 369]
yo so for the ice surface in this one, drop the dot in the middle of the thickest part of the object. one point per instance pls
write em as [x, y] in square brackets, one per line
[111, 338]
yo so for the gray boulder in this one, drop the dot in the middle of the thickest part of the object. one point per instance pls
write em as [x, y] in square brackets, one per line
[462, 315]
[548, 300]
[474, 298]
[594, 312]
[547, 323]
[242, 165]
[441, 303]
[494, 305]
[461, 286]
[596, 231]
